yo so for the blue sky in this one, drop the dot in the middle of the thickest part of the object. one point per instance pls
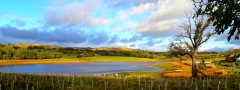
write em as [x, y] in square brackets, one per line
[137, 24]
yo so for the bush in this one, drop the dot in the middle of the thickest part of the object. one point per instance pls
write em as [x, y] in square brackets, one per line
[238, 64]
[207, 57]
[184, 58]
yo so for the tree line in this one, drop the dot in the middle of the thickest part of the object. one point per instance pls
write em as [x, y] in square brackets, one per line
[139, 54]
[89, 52]
[10, 52]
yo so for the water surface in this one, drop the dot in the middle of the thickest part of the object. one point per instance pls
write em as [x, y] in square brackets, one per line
[83, 68]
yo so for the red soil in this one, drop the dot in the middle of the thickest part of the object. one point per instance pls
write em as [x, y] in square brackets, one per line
[186, 71]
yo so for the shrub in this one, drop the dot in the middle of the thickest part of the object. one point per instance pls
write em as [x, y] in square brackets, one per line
[184, 58]
[207, 57]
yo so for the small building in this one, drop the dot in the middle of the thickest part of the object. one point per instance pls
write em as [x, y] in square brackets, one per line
[232, 57]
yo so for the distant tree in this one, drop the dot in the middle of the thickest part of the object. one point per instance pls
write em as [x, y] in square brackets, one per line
[8, 52]
[1, 53]
[30, 47]
[9, 44]
[232, 51]
[196, 35]
[224, 14]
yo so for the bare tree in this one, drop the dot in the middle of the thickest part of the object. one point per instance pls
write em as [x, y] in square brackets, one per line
[196, 33]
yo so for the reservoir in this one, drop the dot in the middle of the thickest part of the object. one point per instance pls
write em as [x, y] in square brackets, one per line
[86, 68]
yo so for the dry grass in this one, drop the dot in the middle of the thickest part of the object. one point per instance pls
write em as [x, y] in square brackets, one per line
[25, 45]
[117, 59]
[114, 49]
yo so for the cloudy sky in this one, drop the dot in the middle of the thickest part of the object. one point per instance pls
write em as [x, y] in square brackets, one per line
[138, 24]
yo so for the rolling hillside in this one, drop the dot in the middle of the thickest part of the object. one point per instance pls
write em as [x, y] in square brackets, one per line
[25, 45]
[46, 46]
[115, 49]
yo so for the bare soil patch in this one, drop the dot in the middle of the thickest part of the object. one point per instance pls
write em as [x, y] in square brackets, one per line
[187, 71]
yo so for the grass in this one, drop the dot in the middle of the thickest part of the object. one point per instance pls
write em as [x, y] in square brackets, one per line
[19, 81]
[115, 49]
[167, 66]
[141, 73]
[218, 59]
[71, 58]
[116, 59]
[4, 60]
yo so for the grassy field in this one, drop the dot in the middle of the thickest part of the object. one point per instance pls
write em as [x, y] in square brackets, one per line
[72, 59]
[141, 73]
[167, 66]
[25, 81]
[117, 59]
[217, 59]
[115, 49]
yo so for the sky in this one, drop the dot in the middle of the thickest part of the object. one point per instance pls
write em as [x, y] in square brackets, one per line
[138, 24]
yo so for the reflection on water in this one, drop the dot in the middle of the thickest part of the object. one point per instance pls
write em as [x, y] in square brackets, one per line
[82, 68]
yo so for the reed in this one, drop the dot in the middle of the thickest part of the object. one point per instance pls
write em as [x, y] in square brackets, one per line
[26, 81]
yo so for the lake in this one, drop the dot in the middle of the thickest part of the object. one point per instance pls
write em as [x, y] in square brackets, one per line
[83, 68]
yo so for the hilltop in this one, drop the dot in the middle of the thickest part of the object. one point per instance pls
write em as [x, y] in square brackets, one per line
[26, 45]
[115, 49]
[46, 46]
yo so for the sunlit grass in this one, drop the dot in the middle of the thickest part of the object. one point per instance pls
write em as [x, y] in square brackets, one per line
[4, 60]
[141, 73]
[167, 66]
[117, 59]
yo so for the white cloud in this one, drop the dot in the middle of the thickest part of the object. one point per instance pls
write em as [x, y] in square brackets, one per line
[171, 9]
[75, 14]
[163, 22]
[158, 29]
[155, 47]
[127, 26]
[212, 48]
[142, 8]
[134, 11]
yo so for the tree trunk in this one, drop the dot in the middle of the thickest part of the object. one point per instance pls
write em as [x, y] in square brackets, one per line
[194, 66]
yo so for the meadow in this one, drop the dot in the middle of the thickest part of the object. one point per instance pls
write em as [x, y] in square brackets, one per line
[107, 58]
[117, 59]
[39, 81]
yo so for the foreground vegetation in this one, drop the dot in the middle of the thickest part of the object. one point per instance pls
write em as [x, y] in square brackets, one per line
[24, 81]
